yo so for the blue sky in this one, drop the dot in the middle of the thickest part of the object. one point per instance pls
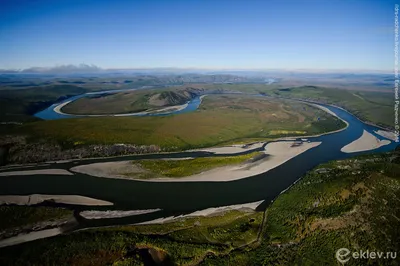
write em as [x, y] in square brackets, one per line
[267, 34]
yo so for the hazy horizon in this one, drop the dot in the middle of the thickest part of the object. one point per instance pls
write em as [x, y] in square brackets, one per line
[213, 35]
[87, 68]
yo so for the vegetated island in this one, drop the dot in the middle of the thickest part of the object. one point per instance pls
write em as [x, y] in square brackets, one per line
[207, 169]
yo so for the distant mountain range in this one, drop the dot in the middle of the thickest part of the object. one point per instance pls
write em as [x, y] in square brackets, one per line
[87, 69]
[63, 69]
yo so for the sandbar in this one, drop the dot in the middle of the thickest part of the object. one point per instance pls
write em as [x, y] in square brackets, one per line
[37, 172]
[387, 134]
[277, 153]
[64, 199]
[114, 214]
[109, 169]
[366, 142]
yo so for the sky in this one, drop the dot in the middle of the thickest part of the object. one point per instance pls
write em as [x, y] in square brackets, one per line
[214, 34]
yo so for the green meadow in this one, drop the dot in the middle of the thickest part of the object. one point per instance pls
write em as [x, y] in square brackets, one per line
[182, 168]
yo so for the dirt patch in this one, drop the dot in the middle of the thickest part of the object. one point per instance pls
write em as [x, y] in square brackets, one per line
[345, 194]
[333, 223]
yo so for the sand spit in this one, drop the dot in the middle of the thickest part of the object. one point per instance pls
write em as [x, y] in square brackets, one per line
[37, 172]
[325, 109]
[232, 149]
[387, 134]
[109, 169]
[64, 199]
[29, 237]
[278, 153]
[366, 142]
[210, 211]
[114, 214]
[58, 108]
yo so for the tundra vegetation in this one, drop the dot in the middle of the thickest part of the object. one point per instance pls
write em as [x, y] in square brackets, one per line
[350, 203]
[219, 119]
[22, 96]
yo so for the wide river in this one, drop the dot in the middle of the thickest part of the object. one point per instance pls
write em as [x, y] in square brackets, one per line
[177, 198]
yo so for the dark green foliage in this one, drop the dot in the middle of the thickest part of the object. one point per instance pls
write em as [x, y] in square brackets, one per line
[365, 219]
[20, 105]
[15, 216]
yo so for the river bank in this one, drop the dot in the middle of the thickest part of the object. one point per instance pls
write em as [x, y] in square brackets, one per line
[113, 214]
[37, 172]
[252, 206]
[15, 240]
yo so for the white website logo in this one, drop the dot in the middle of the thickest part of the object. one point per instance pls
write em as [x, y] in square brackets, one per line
[343, 255]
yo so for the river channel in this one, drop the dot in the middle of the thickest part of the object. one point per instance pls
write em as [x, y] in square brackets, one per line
[177, 198]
